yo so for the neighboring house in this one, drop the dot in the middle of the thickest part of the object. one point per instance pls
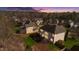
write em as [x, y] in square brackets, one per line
[16, 19]
[53, 21]
[71, 23]
[31, 28]
[39, 21]
[74, 32]
[76, 24]
[52, 32]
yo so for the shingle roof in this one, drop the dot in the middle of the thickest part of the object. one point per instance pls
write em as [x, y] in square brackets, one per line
[49, 28]
[53, 28]
[59, 29]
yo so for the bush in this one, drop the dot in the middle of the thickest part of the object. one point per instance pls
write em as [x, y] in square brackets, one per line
[17, 30]
[36, 37]
[29, 42]
[75, 48]
[60, 44]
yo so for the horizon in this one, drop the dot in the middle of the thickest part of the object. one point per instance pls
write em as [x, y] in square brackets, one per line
[58, 9]
[41, 9]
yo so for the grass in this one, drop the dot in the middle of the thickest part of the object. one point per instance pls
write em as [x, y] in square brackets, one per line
[29, 41]
[70, 42]
[52, 47]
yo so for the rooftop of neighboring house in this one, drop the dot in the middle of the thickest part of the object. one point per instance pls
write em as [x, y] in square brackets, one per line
[75, 29]
[59, 29]
[49, 28]
[30, 24]
[53, 28]
[53, 21]
[38, 18]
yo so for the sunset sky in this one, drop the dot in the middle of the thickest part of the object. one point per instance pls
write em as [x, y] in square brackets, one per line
[58, 9]
[42, 9]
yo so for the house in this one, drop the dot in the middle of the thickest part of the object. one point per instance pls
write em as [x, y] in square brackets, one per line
[31, 28]
[52, 32]
[53, 21]
[74, 32]
[71, 23]
[39, 21]
[16, 19]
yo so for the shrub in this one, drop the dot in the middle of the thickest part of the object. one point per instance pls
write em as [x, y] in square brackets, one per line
[29, 41]
[17, 30]
[60, 44]
[75, 48]
[36, 37]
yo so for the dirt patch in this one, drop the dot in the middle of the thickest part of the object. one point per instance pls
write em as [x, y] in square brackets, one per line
[40, 47]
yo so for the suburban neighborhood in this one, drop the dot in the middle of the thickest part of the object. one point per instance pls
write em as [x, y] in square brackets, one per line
[39, 31]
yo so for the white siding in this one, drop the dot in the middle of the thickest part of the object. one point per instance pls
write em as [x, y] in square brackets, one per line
[30, 30]
[59, 36]
[41, 30]
[45, 34]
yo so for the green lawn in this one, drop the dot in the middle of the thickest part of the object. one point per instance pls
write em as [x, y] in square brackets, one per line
[70, 42]
[29, 41]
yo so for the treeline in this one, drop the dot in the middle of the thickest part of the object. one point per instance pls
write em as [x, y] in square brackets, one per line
[74, 16]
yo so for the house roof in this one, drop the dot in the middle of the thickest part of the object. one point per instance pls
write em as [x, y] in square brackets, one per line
[59, 29]
[49, 28]
[53, 21]
[53, 28]
[30, 24]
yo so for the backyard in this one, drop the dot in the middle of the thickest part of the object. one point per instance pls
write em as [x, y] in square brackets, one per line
[39, 43]
[70, 42]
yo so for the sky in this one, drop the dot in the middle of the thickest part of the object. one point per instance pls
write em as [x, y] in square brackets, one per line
[58, 9]
[42, 9]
